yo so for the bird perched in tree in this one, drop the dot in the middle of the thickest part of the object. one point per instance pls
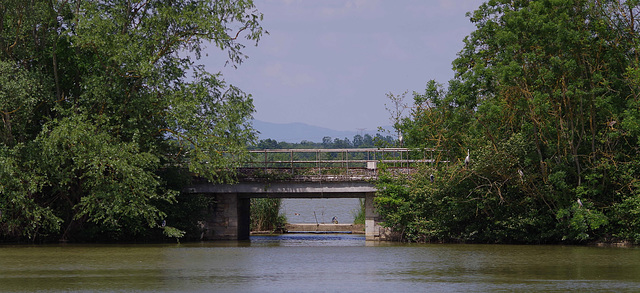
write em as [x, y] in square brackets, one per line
[432, 178]
[467, 160]
[579, 203]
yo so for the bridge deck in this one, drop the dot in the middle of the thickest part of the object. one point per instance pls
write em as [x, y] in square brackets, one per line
[289, 189]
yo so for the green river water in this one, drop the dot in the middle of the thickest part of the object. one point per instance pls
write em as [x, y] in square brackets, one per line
[316, 263]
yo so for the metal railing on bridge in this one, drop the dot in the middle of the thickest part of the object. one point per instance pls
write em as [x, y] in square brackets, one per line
[336, 164]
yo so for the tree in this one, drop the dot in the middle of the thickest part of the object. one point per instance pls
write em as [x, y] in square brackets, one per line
[367, 141]
[541, 88]
[358, 141]
[327, 142]
[108, 95]
[396, 110]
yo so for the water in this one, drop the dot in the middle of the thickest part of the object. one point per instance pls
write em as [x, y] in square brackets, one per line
[317, 263]
[306, 211]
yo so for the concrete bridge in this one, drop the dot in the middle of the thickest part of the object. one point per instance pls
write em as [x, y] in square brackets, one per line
[342, 173]
[229, 219]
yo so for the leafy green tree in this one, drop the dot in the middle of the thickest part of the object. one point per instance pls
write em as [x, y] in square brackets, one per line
[358, 141]
[107, 96]
[327, 142]
[367, 141]
[545, 100]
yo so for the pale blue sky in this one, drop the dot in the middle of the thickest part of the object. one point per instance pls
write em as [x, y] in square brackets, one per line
[330, 63]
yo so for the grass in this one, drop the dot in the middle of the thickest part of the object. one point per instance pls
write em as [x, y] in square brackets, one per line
[265, 214]
[359, 215]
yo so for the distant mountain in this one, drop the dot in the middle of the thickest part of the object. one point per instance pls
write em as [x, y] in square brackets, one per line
[297, 132]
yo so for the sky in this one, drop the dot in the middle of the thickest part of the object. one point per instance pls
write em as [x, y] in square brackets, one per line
[330, 63]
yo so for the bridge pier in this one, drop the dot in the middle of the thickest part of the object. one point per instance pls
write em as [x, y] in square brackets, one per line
[228, 218]
[371, 219]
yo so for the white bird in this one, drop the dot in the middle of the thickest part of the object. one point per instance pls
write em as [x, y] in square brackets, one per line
[579, 203]
[467, 160]
[521, 175]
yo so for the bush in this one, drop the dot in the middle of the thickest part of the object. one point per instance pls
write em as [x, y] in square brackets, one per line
[265, 214]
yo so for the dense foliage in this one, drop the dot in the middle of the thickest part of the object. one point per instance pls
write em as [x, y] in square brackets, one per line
[545, 99]
[265, 214]
[102, 101]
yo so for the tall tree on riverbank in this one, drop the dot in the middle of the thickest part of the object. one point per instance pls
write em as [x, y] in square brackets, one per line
[546, 99]
[97, 98]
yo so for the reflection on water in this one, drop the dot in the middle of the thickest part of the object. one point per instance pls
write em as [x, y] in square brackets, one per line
[309, 240]
[317, 263]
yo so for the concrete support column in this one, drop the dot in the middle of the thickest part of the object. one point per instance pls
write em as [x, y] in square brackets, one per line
[371, 218]
[228, 218]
